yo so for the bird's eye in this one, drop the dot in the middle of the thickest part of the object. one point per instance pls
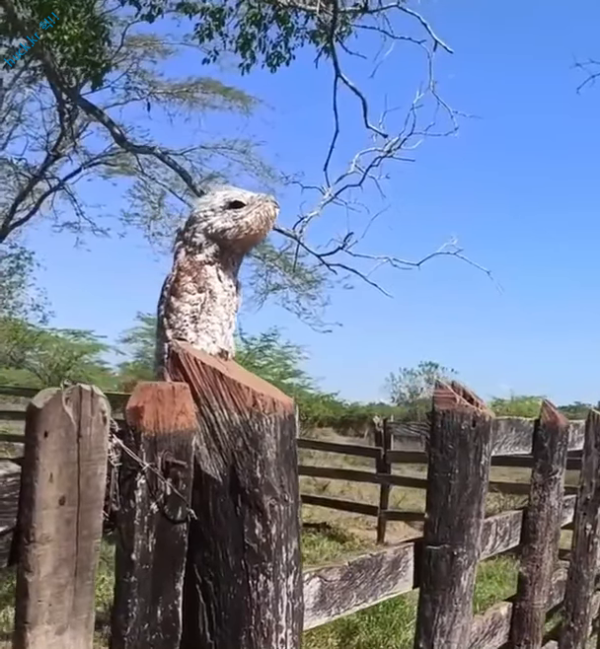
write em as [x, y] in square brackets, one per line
[235, 205]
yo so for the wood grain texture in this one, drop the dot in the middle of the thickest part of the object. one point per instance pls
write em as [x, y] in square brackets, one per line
[12, 415]
[519, 488]
[335, 591]
[585, 546]
[401, 515]
[541, 528]
[510, 435]
[13, 438]
[526, 461]
[10, 487]
[243, 585]
[499, 534]
[406, 457]
[152, 520]
[352, 475]
[459, 461]
[60, 518]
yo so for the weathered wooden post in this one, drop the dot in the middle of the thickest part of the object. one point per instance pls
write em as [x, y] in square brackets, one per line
[383, 438]
[577, 612]
[459, 458]
[155, 485]
[540, 533]
[243, 585]
[60, 518]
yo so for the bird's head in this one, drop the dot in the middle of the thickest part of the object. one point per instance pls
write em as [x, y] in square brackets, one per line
[234, 217]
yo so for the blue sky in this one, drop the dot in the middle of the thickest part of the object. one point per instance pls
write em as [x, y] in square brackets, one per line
[518, 186]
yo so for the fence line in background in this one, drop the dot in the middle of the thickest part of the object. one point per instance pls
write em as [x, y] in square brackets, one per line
[512, 435]
[509, 434]
[383, 439]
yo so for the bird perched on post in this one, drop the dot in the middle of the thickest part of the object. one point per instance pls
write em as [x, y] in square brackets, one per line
[200, 297]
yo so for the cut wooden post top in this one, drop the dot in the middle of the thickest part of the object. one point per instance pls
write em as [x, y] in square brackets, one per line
[199, 369]
[68, 395]
[456, 396]
[551, 416]
[156, 407]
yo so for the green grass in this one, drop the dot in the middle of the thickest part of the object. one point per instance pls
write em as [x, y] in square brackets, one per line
[389, 625]
[323, 543]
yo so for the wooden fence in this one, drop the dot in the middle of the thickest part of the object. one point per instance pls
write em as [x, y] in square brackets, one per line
[510, 435]
[459, 446]
[394, 444]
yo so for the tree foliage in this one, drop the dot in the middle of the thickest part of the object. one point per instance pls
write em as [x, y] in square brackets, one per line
[95, 63]
[102, 133]
[529, 406]
[43, 162]
[411, 387]
[517, 406]
[577, 409]
[137, 343]
[38, 356]
[82, 45]
[19, 296]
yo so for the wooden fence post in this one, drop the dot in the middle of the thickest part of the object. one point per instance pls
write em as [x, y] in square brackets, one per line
[459, 460]
[10, 490]
[155, 485]
[540, 532]
[243, 584]
[383, 439]
[577, 610]
[60, 518]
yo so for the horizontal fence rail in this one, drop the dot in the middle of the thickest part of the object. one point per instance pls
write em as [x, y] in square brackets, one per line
[510, 435]
[117, 400]
[339, 590]
[512, 439]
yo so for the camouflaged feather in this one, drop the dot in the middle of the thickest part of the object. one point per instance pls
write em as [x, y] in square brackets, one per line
[201, 295]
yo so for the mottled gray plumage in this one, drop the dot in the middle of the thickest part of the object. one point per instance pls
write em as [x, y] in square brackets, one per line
[201, 295]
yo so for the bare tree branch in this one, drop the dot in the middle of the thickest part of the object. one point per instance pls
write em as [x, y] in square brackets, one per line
[53, 129]
[392, 140]
[591, 70]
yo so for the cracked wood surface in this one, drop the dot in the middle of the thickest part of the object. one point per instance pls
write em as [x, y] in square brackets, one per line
[459, 461]
[152, 520]
[243, 584]
[60, 518]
